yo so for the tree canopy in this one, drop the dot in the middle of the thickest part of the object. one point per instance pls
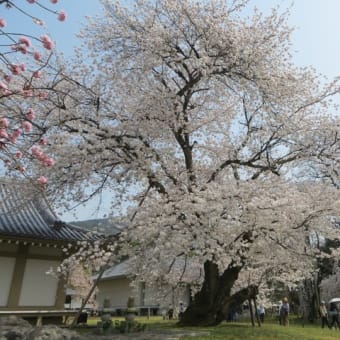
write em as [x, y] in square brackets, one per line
[198, 114]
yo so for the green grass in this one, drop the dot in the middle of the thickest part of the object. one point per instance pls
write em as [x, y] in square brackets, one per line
[242, 330]
[267, 331]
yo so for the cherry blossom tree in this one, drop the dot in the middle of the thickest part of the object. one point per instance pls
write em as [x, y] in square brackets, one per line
[33, 86]
[330, 286]
[28, 75]
[203, 120]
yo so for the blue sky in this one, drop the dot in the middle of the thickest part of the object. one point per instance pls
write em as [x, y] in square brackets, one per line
[316, 41]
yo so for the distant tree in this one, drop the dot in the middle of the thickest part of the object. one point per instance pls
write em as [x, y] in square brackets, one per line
[202, 117]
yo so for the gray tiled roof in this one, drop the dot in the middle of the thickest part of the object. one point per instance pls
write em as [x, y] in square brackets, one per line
[121, 269]
[107, 226]
[178, 268]
[27, 215]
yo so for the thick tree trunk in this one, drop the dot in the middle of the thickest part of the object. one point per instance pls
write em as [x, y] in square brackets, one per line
[212, 303]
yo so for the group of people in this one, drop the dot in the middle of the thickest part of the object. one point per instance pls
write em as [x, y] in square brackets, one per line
[329, 318]
[284, 310]
[170, 313]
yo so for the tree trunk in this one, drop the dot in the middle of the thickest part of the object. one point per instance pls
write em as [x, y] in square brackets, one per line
[212, 303]
[256, 312]
[251, 312]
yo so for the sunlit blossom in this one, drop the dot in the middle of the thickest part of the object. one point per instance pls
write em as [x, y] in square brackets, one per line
[62, 16]
[3, 22]
[37, 56]
[43, 141]
[37, 74]
[42, 180]
[4, 122]
[18, 154]
[43, 95]
[26, 41]
[36, 151]
[49, 161]
[31, 114]
[17, 133]
[27, 126]
[16, 69]
[47, 42]
[3, 133]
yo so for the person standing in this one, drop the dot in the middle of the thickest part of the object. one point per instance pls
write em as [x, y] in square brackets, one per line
[334, 314]
[170, 313]
[181, 310]
[261, 312]
[284, 312]
[323, 315]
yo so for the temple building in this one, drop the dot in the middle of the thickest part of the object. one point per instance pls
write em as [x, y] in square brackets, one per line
[31, 243]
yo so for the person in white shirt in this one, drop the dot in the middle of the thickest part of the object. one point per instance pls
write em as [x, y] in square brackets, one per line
[323, 314]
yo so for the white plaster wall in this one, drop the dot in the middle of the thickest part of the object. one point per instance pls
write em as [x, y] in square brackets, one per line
[38, 288]
[6, 274]
[117, 291]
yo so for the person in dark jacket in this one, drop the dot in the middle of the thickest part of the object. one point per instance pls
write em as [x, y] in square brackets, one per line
[334, 314]
[284, 313]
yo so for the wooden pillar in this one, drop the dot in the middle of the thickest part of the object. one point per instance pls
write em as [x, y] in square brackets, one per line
[60, 296]
[18, 276]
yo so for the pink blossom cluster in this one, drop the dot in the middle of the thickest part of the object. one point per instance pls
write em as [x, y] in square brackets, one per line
[24, 46]
[47, 42]
[42, 180]
[62, 16]
[26, 126]
[15, 135]
[42, 157]
[18, 68]
[8, 136]
[13, 83]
